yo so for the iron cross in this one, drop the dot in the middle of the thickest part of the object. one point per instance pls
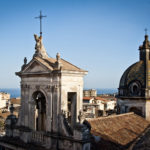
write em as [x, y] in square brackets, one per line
[40, 17]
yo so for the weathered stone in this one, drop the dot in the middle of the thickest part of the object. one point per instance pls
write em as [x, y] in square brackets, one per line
[50, 87]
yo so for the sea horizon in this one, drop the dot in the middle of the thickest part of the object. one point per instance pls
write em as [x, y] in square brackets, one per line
[15, 92]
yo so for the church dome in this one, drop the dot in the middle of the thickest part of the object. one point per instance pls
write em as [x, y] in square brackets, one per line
[134, 88]
[135, 80]
[134, 73]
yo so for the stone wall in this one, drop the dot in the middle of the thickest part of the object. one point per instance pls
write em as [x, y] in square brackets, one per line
[127, 105]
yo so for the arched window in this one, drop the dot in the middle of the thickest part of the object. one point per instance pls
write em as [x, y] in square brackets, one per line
[40, 110]
[135, 88]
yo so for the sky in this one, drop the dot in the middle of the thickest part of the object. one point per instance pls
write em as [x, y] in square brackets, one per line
[100, 36]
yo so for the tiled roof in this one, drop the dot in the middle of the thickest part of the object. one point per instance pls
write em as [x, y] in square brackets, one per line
[50, 63]
[87, 98]
[15, 101]
[120, 129]
[96, 98]
[102, 99]
[108, 97]
[68, 66]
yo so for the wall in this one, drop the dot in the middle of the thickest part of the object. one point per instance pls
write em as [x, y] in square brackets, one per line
[126, 105]
[72, 83]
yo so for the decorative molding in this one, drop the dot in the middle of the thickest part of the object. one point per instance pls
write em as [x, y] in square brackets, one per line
[55, 87]
[48, 87]
[37, 87]
[25, 86]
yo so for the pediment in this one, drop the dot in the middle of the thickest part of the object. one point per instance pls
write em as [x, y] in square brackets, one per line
[36, 67]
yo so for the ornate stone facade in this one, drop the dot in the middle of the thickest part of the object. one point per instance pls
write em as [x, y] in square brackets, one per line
[51, 99]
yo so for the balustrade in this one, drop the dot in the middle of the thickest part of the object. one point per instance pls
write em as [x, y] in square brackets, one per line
[38, 137]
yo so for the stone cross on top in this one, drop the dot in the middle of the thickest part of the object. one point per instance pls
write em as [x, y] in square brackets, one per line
[40, 17]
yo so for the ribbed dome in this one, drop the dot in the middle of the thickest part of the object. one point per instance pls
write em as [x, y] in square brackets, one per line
[134, 88]
[134, 72]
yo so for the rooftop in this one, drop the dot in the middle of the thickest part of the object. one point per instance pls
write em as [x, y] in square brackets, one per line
[15, 101]
[50, 64]
[119, 129]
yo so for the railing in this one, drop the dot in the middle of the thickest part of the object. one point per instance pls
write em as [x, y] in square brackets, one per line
[38, 137]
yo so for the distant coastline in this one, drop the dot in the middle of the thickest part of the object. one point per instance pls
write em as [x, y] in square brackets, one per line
[107, 91]
[15, 92]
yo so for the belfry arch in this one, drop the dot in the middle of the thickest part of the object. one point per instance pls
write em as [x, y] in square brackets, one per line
[40, 110]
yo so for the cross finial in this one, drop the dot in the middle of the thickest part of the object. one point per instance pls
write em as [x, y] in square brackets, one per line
[40, 17]
[145, 31]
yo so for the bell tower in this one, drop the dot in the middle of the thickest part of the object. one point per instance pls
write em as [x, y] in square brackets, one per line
[51, 103]
[48, 87]
[145, 57]
[51, 115]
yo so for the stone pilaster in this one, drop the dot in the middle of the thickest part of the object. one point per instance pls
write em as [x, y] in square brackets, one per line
[55, 107]
[49, 108]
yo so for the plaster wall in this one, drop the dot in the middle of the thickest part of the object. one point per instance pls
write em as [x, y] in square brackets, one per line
[3, 103]
[111, 105]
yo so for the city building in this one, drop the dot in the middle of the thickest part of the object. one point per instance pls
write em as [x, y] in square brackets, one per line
[5, 111]
[16, 102]
[90, 93]
[90, 108]
[94, 107]
[50, 116]
[134, 88]
[4, 98]
[120, 132]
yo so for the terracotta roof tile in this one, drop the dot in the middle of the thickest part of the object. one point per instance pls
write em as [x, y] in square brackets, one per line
[50, 63]
[87, 98]
[102, 99]
[120, 129]
[15, 101]
[68, 66]
[108, 97]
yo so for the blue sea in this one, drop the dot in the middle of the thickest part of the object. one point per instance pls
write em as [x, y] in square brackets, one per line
[106, 91]
[15, 92]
